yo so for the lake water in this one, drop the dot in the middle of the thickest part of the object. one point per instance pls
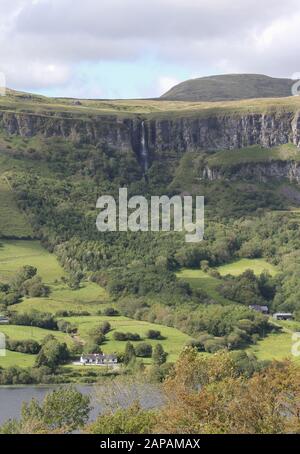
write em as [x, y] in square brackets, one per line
[11, 398]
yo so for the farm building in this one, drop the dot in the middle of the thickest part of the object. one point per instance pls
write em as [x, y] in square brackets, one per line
[261, 309]
[3, 320]
[283, 316]
[98, 359]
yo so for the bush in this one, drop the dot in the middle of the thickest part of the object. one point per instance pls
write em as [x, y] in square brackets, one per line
[66, 327]
[214, 345]
[96, 335]
[143, 350]
[159, 356]
[110, 312]
[105, 327]
[119, 336]
[23, 346]
[34, 318]
[153, 334]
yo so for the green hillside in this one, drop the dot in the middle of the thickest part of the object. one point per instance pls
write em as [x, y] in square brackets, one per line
[13, 223]
[229, 87]
[254, 154]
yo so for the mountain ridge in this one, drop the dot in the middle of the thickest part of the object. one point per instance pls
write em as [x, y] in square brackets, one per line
[230, 87]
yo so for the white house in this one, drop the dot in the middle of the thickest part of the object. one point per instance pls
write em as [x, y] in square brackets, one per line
[3, 320]
[98, 359]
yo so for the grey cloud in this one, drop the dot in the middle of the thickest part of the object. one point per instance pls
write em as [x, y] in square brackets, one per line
[228, 35]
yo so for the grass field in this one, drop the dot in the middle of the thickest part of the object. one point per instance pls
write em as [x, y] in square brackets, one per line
[16, 359]
[238, 267]
[254, 153]
[173, 342]
[16, 253]
[199, 279]
[13, 223]
[275, 346]
[17, 332]
[90, 297]
[41, 105]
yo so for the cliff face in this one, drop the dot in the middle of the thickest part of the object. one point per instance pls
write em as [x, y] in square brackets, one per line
[261, 171]
[163, 137]
[226, 132]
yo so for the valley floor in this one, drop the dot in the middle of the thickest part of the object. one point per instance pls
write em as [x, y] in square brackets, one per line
[90, 297]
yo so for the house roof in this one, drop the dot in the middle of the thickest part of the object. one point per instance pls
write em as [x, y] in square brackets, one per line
[95, 356]
[284, 314]
[257, 306]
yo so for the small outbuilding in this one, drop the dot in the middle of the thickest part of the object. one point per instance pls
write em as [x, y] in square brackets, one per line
[283, 316]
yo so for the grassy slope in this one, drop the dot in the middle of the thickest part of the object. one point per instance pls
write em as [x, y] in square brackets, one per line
[13, 223]
[230, 86]
[173, 342]
[90, 297]
[15, 254]
[277, 346]
[199, 279]
[18, 102]
[31, 332]
[228, 158]
[257, 265]
[16, 359]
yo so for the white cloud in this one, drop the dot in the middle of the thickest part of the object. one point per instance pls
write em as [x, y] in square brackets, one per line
[43, 41]
[165, 83]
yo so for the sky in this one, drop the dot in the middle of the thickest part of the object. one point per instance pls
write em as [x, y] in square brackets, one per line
[141, 48]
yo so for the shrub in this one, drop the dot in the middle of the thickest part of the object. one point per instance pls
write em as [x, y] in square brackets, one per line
[154, 334]
[110, 312]
[143, 350]
[119, 336]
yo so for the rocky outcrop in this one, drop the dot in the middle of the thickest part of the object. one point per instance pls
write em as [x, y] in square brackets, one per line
[258, 171]
[224, 132]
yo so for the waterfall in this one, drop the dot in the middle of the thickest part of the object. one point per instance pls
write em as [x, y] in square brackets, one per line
[144, 149]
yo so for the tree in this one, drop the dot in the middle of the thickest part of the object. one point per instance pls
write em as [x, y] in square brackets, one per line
[62, 411]
[153, 334]
[34, 287]
[105, 327]
[132, 420]
[144, 350]
[129, 354]
[214, 395]
[52, 354]
[96, 335]
[159, 356]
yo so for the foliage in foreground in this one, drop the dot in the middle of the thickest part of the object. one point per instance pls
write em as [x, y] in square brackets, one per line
[221, 393]
[62, 411]
[209, 395]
